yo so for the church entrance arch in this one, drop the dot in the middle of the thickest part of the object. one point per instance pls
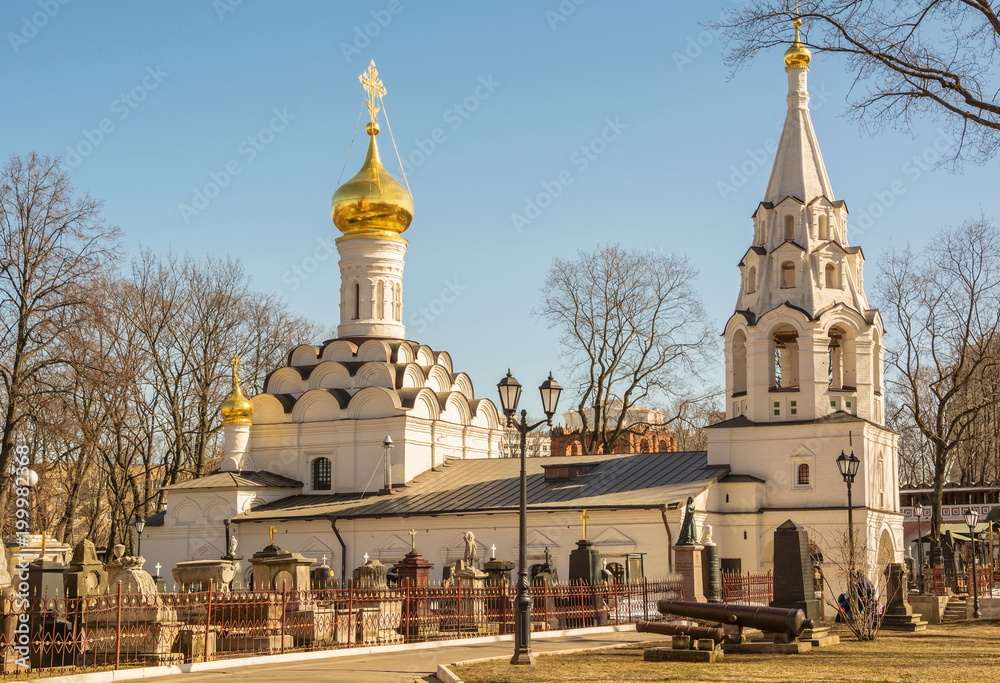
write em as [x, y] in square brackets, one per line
[886, 549]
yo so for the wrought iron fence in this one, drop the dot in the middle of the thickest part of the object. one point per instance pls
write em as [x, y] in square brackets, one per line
[961, 582]
[747, 589]
[60, 635]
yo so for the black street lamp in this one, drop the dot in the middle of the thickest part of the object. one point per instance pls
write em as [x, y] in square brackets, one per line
[971, 519]
[848, 467]
[510, 392]
[140, 526]
[919, 509]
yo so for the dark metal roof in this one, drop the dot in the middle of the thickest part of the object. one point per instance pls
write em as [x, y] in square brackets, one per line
[617, 481]
[228, 480]
[833, 418]
[740, 479]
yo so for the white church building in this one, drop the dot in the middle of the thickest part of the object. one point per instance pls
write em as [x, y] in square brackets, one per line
[310, 458]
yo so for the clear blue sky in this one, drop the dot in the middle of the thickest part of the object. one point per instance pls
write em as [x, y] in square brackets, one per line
[181, 88]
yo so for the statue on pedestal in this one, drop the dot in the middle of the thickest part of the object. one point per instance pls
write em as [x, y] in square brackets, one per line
[471, 551]
[688, 534]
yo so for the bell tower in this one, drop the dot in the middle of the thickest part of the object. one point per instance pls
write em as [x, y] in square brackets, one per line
[803, 342]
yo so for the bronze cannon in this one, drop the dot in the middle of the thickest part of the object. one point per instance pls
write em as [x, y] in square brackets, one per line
[696, 632]
[770, 619]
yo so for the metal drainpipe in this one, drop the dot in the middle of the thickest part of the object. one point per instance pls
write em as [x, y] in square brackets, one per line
[670, 540]
[343, 552]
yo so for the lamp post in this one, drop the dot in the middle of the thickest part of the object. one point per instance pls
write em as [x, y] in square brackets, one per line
[848, 467]
[140, 526]
[971, 519]
[510, 392]
[919, 509]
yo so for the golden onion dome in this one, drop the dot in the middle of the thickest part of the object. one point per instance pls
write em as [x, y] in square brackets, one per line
[372, 203]
[237, 409]
[798, 55]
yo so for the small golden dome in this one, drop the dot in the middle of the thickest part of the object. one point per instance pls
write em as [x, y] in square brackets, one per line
[372, 203]
[798, 55]
[236, 410]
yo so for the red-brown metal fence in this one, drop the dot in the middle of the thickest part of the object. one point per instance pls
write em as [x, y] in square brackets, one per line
[961, 582]
[747, 589]
[58, 635]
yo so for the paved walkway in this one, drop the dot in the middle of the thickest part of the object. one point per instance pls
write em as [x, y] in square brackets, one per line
[393, 667]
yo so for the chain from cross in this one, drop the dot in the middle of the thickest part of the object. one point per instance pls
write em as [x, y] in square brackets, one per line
[584, 516]
[413, 539]
[373, 86]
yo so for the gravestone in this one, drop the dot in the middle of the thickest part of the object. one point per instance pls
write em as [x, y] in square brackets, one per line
[156, 625]
[712, 567]
[899, 614]
[371, 574]
[585, 564]
[415, 572]
[276, 569]
[793, 571]
[85, 575]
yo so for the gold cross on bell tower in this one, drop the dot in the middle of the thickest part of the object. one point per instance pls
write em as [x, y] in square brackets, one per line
[236, 370]
[270, 531]
[375, 89]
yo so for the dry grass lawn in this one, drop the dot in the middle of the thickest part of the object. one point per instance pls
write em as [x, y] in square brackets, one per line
[966, 651]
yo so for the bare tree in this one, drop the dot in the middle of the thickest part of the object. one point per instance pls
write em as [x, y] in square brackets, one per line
[633, 330]
[944, 307]
[913, 58]
[858, 588]
[52, 243]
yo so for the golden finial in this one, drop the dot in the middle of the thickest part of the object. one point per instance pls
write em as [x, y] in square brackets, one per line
[584, 517]
[798, 55]
[375, 89]
[372, 203]
[236, 410]
[270, 535]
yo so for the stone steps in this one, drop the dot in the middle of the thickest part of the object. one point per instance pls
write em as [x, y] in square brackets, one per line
[955, 610]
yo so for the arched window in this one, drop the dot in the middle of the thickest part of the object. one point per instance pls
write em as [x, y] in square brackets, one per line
[751, 280]
[831, 276]
[803, 477]
[380, 300]
[787, 275]
[824, 229]
[789, 227]
[357, 301]
[321, 474]
[397, 302]
[644, 446]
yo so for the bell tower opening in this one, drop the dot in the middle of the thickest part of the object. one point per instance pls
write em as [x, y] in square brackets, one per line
[785, 368]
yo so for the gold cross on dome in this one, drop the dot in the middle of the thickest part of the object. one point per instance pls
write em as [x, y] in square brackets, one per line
[413, 539]
[373, 86]
[584, 516]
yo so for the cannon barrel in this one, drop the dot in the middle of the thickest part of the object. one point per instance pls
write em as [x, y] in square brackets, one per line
[771, 619]
[697, 632]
